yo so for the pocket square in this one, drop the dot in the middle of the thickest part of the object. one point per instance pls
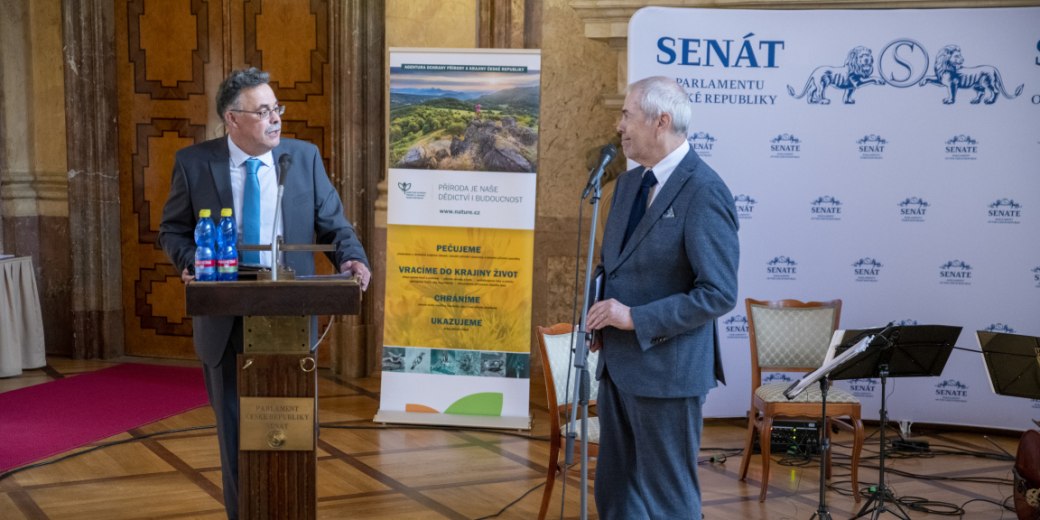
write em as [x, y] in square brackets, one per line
[668, 213]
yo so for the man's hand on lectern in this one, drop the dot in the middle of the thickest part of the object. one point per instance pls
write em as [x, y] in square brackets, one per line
[359, 269]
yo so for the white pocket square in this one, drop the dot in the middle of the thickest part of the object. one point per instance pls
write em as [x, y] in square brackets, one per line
[668, 213]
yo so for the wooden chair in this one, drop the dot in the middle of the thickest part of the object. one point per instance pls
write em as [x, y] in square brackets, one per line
[554, 345]
[793, 336]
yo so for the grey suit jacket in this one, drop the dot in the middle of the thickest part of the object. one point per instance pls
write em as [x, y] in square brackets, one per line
[678, 273]
[311, 213]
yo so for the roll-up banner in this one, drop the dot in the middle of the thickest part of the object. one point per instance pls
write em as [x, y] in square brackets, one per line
[889, 158]
[463, 145]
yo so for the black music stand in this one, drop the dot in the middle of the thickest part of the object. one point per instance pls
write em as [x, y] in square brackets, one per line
[895, 351]
[821, 375]
[1012, 363]
[1013, 367]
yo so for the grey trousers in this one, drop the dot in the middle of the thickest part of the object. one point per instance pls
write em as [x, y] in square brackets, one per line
[647, 464]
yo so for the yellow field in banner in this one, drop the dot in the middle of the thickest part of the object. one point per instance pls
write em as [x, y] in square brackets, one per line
[458, 288]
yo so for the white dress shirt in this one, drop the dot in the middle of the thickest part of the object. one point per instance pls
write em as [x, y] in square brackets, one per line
[663, 170]
[268, 177]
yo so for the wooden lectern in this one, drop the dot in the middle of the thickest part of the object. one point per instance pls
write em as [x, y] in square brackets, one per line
[277, 384]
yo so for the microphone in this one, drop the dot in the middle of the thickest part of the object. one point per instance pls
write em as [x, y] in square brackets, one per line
[284, 163]
[606, 154]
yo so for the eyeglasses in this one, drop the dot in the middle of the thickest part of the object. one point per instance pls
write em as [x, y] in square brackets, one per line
[263, 113]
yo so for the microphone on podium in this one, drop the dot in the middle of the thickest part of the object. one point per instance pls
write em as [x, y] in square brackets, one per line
[284, 163]
[606, 154]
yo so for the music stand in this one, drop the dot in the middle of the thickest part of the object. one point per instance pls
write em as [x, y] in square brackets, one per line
[1013, 368]
[1008, 363]
[895, 351]
[820, 374]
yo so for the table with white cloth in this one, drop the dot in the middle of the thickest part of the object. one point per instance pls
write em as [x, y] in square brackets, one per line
[21, 324]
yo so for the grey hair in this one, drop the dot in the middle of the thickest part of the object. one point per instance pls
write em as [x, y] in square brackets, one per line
[662, 95]
[235, 83]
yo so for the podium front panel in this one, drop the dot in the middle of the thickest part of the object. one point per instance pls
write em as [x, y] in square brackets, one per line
[278, 484]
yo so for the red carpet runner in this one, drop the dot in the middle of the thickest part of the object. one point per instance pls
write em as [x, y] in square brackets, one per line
[43, 420]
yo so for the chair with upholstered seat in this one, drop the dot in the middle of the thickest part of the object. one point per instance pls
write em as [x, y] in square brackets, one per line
[793, 336]
[554, 345]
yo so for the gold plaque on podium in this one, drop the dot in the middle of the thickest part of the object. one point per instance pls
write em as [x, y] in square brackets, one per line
[277, 424]
[276, 334]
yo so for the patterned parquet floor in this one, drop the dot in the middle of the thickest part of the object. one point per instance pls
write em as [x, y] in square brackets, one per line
[373, 471]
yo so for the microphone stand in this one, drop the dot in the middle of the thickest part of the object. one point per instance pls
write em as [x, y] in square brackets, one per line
[582, 390]
[825, 451]
[276, 237]
[284, 163]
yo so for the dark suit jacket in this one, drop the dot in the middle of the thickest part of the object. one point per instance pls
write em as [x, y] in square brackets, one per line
[678, 273]
[311, 213]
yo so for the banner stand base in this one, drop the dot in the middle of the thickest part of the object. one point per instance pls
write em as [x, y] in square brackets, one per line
[453, 420]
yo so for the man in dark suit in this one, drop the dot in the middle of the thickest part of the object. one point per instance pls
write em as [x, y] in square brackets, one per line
[217, 174]
[670, 254]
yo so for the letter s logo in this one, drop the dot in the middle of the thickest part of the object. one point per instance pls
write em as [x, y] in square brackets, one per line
[903, 63]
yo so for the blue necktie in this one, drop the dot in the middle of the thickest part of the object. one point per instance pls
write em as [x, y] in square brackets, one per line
[251, 211]
[639, 206]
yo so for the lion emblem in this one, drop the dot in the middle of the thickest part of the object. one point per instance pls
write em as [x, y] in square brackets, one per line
[859, 65]
[951, 73]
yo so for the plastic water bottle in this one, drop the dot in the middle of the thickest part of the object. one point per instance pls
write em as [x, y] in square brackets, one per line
[227, 249]
[205, 248]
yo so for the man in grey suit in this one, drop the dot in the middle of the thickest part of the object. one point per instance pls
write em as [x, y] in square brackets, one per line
[670, 252]
[214, 175]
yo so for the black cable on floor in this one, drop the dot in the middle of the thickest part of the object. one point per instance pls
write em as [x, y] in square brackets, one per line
[719, 458]
[513, 503]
